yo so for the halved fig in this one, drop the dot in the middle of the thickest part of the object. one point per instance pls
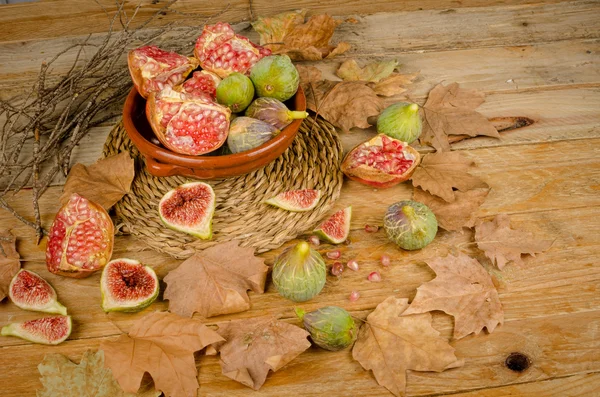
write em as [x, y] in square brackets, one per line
[381, 162]
[296, 200]
[336, 228]
[29, 291]
[189, 208]
[202, 82]
[153, 69]
[46, 330]
[187, 123]
[127, 286]
[80, 240]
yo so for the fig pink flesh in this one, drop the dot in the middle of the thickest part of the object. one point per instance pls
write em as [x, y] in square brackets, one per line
[48, 328]
[336, 227]
[187, 206]
[30, 289]
[129, 282]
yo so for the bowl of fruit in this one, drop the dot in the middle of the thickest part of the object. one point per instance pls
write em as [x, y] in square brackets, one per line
[228, 110]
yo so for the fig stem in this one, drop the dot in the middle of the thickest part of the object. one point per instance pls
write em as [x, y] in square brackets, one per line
[300, 313]
[301, 251]
[413, 108]
[297, 114]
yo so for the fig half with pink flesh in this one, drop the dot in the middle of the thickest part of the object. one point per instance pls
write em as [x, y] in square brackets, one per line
[189, 208]
[381, 162]
[128, 286]
[296, 200]
[336, 228]
[46, 330]
[29, 291]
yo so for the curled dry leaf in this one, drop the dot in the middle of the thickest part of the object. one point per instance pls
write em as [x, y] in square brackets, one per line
[162, 344]
[449, 110]
[9, 261]
[287, 33]
[256, 346]
[215, 281]
[89, 378]
[309, 74]
[105, 182]
[440, 173]
[390, 343]
[462, 212]
[395, 84]
[372, 72]
[463, 289]
[502, 244]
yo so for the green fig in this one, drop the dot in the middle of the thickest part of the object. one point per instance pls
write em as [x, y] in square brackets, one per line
[246, 133]
[401, 121]
[330, 327]
[299, 273]
[236, 91]
[274, 112]
[275, 76]
[410, 224]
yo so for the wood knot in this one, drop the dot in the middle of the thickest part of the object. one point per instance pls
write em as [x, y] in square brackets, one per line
[517, 362]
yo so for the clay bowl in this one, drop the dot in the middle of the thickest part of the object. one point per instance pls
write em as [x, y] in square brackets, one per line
[161, 161]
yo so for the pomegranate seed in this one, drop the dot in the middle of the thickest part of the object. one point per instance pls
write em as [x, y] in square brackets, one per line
[314, 240]
[354, 295]
[374, 277]
[334, 254]
[385, 260]
[337, 269]
[352, 265]
[371, 228]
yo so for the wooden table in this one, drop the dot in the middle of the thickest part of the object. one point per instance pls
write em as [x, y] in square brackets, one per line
[533, 58]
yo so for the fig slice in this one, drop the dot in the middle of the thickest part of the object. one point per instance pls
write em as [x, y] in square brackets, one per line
[127, 286]
[381, 162]
[296, 200]
[337, 227]
[189, 208]
[46, 330]
[29, 291]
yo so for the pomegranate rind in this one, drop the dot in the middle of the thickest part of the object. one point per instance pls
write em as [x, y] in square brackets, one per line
[79, 222]
[336, 228]
[111, 302]
[202, 227]
[29, 291]
[373, 176]
[296, 200]
[45, 331]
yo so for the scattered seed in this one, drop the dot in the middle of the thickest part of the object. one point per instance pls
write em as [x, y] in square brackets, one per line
[354, 295]
[371, 228]
[385, 260]
[314, 240]
[374, 277]
[352, 265]
[334, 254]
[337, 269]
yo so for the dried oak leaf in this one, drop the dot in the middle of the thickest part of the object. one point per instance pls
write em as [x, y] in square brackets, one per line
[390, 343]
[439, 173]
[162, 344]
[449, 110]
[287, 33]
[344, 104]
[89, 378]
[105, 182]
[501, 244]
[215, 281]
[257, 345]
[457, 214]
[462, 288]
[9, 261]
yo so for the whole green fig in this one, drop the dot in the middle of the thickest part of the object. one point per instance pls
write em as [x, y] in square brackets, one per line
[400, 121]
[275, 76]
[299, 273]
[274, 112]
[236, 92]
[246, 133]
[330, 327]
[410, 224]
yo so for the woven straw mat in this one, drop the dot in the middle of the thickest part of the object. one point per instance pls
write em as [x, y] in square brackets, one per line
[311, 162]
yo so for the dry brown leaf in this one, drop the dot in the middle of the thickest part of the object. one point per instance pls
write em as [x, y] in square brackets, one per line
[439, 173]
[449, 110]
[502, 244]
[105, 182]
[309, 74]
[344, 104]
[462, 288]
[372, 72]
[390, 343]
[457, 214]
[89, 378]
[9, 261]
[287, 33]
[215, 281]
[395, 84]
[162, 344]
[258, 345]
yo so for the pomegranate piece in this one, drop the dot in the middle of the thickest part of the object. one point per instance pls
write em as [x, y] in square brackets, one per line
[354, 295]
[374, 277]
[222, 52]
[153, 69]
[334, 254]
[337, 268]
[187, 123]
[81, 237]
[202, 82]
[385, 260]
[352, 265]
[381, 162]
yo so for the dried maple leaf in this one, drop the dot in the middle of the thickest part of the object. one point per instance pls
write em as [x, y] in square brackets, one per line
[162, 344]
[287, 33]
[463, 289]
[457, 214]
[395, 84]
[9, 261]
[344, 104]
[439, 173]
[215, 281]
[449, 110]
[502, 244]
[258, 345]
[390, 343]
[309, 74]
[105, 182]
[89, 378]
[372, 72]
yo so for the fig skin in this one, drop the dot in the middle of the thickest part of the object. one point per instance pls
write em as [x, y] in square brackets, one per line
[274, 112]
[299, 273]
[275, 76]
[246, 133]
[401, 121]
[236, 91]
[330, 327]
[410, 224]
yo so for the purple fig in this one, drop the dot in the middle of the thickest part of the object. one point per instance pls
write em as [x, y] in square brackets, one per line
[274, 112]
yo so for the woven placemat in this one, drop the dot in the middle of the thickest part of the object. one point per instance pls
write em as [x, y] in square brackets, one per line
[311, 162]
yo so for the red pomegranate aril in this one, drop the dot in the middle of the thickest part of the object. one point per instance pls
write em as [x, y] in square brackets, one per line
[334, 254]
[374, 277]
[352, 265]
[354, 295]
[337, 268]
[371, 228]
[314, 240]
[385, 260]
